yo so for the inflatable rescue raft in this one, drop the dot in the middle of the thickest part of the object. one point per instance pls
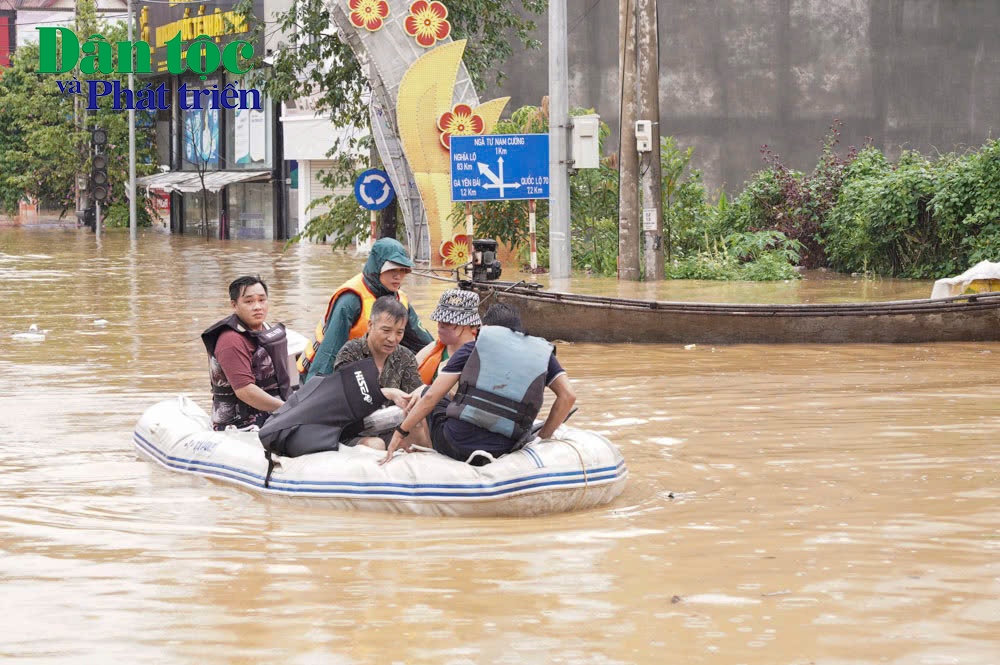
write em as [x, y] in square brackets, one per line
[574, 470]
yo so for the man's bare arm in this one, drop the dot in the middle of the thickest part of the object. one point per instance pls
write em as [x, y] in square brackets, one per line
[565, 399]
[255, 396]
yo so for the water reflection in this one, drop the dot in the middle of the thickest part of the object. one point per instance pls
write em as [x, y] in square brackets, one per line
[824, 504]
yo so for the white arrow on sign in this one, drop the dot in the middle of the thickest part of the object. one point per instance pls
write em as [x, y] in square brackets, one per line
[374, 177]
[496, 181]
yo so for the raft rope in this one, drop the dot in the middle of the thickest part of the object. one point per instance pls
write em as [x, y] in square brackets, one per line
[270, 469]
[453, 279]
[583, 467]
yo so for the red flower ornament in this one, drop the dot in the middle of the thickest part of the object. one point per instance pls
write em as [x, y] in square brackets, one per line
[427, 22]
[459, 121]
[457, 251]
[368, 14]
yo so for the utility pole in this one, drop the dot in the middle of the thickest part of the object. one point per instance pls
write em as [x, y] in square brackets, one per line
[132, 215]
[388, 221]
[649, 109]
[559, 250]
[387, 224]
[628, 158]
[76, 123]
[374, 162]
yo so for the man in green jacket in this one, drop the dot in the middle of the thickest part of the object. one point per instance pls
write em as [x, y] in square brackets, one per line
[349, 309]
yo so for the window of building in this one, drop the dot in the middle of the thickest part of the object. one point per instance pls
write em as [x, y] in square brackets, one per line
[200, 137]
[251, 211]
[249, 134]
[192, 213]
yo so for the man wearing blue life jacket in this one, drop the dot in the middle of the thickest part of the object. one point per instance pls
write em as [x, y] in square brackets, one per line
[501, 379]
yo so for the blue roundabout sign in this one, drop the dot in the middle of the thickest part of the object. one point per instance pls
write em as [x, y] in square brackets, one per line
[373, 189]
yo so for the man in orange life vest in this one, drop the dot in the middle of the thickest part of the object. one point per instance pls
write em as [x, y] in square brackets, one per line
[349, 310]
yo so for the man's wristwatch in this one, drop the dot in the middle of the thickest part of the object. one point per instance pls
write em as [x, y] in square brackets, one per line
[399, 428]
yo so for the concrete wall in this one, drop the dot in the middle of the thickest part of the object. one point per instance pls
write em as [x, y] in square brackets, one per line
[737, 74]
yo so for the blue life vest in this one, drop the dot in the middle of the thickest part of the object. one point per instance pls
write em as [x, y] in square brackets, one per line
[503, 384]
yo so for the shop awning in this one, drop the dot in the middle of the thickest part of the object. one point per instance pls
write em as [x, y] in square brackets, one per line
[188, 181]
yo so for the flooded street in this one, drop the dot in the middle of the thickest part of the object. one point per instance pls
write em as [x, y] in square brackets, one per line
[786, 504]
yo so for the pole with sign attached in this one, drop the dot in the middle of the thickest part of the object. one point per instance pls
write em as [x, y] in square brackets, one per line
[373, 192]
[132, 215]
[99, 185]
[501, 167]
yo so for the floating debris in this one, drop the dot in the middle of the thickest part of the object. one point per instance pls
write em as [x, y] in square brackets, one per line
[33, 334]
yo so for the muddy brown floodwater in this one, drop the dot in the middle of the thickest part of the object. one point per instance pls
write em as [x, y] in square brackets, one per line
[792, 504]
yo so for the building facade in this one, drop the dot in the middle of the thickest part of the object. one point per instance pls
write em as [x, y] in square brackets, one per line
[738, 74]
[224, 168]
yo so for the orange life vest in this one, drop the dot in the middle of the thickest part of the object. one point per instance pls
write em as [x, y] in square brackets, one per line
[428, 368]
[357, 286]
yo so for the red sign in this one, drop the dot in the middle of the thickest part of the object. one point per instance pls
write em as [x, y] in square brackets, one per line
[8, 37]
[161, 201]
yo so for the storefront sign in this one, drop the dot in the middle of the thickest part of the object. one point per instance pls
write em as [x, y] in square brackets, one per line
[203, 44]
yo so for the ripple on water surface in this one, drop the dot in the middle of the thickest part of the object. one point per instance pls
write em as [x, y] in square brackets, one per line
[785, 504]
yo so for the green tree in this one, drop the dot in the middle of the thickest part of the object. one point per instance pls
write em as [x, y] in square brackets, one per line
[39, 145]
[683, 196]
[343, 219]
[44, 142]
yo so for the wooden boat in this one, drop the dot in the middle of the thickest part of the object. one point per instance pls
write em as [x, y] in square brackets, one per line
[583, 318]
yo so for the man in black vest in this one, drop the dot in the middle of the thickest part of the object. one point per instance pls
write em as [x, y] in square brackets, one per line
[247, 359]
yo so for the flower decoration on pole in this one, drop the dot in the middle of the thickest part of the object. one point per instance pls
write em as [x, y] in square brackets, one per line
[457, 251]
[427, 22]
[459, 121]
[368, 14]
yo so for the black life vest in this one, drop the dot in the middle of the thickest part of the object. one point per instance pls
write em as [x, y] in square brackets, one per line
[502, 386]
[315, 416]
[268, 364]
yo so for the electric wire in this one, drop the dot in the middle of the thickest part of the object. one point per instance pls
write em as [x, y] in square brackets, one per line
[585, 14]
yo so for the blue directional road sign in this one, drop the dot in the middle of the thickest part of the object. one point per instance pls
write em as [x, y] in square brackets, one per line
[499, 167]
[373, 190]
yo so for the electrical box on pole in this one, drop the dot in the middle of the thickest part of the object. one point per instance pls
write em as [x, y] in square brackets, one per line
[643, 135]
[585, 141]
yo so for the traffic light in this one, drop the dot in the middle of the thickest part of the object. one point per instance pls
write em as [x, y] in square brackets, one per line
[99, 187]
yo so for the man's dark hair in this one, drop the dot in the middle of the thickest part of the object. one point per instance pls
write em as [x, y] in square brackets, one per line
[502, 314]
[389, 305]
[241, 284]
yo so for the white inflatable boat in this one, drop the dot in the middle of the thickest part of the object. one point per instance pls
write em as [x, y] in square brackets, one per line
[576, 469]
